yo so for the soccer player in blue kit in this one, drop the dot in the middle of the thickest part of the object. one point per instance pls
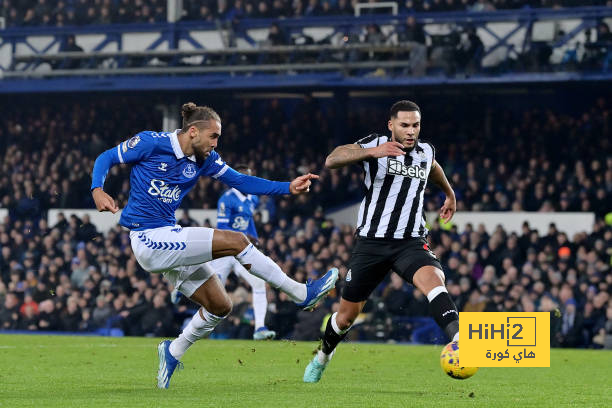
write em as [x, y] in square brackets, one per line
[166, 166]
[235, 212]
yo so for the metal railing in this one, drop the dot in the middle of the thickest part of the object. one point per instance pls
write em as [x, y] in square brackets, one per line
[325, 58]
[506, 53]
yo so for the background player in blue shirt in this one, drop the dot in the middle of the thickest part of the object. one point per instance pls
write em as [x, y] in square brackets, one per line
[166, 166]
[235, 212]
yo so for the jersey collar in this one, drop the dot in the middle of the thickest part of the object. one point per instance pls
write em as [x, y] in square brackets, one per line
[240, 196]
[176, 147]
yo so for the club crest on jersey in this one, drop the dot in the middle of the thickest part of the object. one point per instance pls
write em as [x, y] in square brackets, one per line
[133, 141]
[348, 276]
[189, 171]
[397, 168]
[164, 192]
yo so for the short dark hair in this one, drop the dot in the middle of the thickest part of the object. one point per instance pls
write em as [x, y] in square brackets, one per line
[193, 114]
[405, 106]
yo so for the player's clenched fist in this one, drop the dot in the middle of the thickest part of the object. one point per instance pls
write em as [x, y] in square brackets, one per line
[388, 149]
[302, 184]
[103, 201]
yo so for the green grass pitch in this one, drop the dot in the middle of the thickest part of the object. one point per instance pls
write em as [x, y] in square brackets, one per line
[57, 371]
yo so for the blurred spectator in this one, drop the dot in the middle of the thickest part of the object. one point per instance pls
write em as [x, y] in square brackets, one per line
[81, 12]
[69, 45]
[159, 320]
[414, 35]
[9, 313]
[469, 52]
[48, 318]
[102, 312]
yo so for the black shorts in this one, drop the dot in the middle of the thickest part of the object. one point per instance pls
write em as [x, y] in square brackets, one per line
[373, 258]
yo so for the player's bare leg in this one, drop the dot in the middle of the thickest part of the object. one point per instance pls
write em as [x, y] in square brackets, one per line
[336, 329]
[430, 281]
[216, 305]
[230, 243]
[347, 313]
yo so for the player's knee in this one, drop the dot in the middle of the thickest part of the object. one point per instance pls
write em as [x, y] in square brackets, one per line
[427, 277]
[345, 321]
[223, 308]
[239, 241]
[441, 275]
[226, 309]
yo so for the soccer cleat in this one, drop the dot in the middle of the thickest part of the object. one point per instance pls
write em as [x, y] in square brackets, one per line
[167, 364]
[264, 334]
[314, 371]
[316, 290]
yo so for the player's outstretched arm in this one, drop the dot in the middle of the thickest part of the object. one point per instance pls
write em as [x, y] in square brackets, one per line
[439, 178]
[354, 153]
[259, 186]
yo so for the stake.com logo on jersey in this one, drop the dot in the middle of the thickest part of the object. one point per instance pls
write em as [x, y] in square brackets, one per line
[164, 192]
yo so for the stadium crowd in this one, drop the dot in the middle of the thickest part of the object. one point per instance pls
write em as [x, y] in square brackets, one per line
[84, 12]
[70, 277]
[493, 166]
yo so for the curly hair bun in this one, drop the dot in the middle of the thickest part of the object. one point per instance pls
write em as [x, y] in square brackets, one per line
[188, 109]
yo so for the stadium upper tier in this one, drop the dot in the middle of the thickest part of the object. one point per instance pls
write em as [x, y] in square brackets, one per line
[61, 13]
[524, 45]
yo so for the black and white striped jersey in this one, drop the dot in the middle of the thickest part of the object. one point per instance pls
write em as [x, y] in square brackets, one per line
[393, 204]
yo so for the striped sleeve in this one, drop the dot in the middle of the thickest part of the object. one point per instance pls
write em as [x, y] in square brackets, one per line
[135, 149]
[370, 141]
[433, 152]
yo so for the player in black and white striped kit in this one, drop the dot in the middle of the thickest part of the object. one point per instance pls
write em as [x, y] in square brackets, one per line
[391, 232]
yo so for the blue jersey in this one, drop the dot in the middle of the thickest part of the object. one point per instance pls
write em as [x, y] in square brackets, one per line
[235, 212]
[161, 176]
